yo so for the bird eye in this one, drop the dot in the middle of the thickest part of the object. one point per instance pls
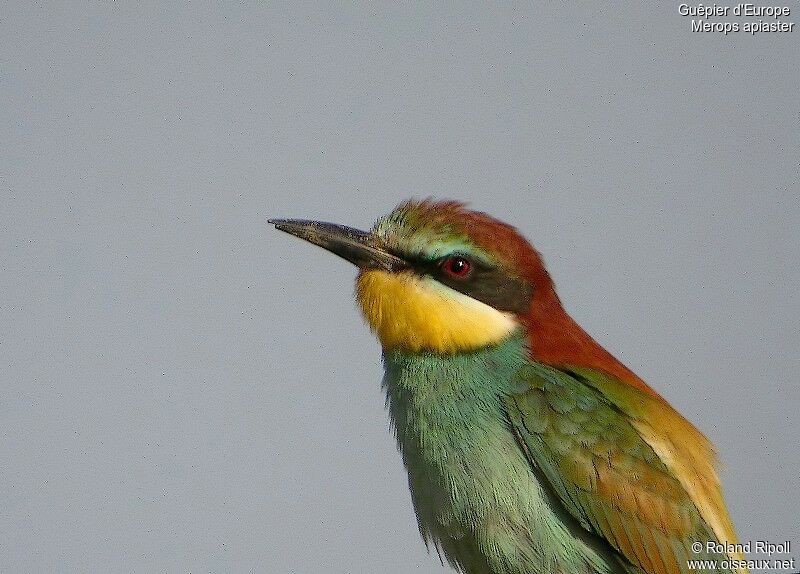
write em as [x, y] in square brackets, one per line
[456, 266]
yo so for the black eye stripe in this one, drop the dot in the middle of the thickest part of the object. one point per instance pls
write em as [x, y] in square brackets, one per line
[486, 283]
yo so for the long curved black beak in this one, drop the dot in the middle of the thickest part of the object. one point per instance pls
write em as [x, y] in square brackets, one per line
[358, 247]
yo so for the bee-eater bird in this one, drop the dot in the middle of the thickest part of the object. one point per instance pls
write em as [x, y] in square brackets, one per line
[529, 448]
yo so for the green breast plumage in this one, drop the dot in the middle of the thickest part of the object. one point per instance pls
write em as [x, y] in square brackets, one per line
[476, 496]
[519, 468]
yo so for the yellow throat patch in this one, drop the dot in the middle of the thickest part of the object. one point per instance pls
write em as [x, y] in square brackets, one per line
[413, 313]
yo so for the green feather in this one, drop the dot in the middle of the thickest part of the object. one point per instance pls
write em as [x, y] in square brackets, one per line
[519, 468]
[477, 497]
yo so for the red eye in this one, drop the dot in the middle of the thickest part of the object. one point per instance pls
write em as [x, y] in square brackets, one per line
[456, 266]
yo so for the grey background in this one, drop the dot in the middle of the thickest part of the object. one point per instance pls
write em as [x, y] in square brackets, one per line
[185, 389]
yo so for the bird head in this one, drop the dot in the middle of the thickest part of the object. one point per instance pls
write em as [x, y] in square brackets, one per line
[436, 276]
